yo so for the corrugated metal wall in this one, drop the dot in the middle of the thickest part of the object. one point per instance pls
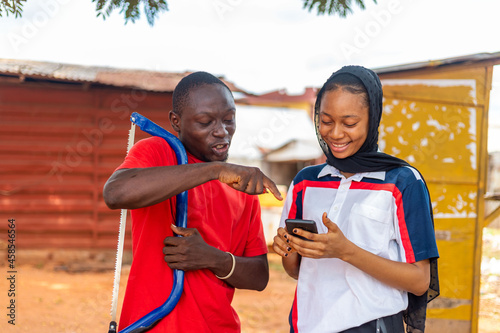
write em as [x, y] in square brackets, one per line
[437, 119]
[59, 142]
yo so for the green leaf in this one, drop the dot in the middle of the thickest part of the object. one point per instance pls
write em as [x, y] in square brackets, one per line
[332, 7]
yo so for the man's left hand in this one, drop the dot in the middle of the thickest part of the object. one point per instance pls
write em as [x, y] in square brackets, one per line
[188, 252]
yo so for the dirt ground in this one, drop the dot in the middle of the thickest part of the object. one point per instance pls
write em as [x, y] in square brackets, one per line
[49, 299]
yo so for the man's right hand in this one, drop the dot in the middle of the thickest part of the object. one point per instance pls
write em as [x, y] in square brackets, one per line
[143, 187]
[246, 179]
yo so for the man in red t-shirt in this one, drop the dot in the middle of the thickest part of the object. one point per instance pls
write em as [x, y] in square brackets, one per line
[223, 247]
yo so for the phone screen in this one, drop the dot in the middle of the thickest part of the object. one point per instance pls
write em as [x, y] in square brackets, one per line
[307, 225]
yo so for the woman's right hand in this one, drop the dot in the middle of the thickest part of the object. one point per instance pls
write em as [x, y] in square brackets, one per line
[281, 243]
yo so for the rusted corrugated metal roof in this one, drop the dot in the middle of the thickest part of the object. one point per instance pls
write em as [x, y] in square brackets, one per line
[472, 58]
[132, 78]
[277, 96]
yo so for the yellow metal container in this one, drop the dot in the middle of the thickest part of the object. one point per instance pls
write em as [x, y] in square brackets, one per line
[436, 118]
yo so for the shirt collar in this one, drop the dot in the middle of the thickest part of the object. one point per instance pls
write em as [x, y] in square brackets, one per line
[333, 171]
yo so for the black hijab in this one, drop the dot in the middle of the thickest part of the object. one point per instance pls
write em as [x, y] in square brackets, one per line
[369, 159]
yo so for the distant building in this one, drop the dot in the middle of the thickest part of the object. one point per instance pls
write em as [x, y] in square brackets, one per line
[280, 141]
[281, 99]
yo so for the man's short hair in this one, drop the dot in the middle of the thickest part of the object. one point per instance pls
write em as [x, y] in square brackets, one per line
[193, 80]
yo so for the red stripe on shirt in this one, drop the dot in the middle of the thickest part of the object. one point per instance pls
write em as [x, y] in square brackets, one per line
[303, 185]
[398, 197]
[293, 207]
[295, 315]
[315, 183]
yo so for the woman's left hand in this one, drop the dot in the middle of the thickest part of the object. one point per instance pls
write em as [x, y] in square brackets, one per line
[333, 244]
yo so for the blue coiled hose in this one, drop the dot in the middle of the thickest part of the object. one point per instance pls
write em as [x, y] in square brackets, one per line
[151, 319]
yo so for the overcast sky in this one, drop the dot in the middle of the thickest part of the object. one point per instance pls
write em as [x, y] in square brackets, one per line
[260, 45]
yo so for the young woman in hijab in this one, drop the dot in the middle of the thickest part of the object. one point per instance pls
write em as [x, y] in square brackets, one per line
[373, 262]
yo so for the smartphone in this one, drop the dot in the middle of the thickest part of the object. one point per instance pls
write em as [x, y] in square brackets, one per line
[307, 225]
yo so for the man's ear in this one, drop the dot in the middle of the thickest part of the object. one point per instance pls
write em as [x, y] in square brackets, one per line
[175, 121]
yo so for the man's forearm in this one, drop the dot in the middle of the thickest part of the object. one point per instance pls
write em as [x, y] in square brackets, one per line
[142, 187]
[250, 273]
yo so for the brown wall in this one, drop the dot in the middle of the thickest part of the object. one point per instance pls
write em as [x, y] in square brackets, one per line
[59, 142]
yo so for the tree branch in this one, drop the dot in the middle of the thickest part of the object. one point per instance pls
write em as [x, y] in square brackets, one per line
[331, 7]
[12, 7]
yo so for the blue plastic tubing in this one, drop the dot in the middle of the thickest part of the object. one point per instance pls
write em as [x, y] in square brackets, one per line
[151, 319]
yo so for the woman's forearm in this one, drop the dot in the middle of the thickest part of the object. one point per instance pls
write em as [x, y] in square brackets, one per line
[414, 278]
[291, 264]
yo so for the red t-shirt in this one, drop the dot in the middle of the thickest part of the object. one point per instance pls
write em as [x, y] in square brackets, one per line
[226, 219]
